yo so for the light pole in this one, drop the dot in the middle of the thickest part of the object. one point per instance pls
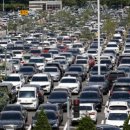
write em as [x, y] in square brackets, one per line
[98, 6]
[68, 113]
[3, 5]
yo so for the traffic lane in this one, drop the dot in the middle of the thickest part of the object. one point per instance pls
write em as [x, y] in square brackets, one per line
[100, 116]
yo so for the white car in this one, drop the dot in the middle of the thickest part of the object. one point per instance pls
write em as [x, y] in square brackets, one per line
[113, 46]
[90, 108]
[44, 80]
[113, 106]
[40, 62]
[82, 113]
[116, 118]
[27, 97]
[79, 46]
[70, 82]
[16, 79]
[18, 53]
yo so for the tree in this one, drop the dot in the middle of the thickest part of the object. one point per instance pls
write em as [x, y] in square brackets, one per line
[86, 124]
[109, 27]
[42, 122]
[126, 125]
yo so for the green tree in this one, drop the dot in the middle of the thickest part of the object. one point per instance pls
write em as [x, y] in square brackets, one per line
[42, 122]
[109, 27]
[86, 124]
[126, 125]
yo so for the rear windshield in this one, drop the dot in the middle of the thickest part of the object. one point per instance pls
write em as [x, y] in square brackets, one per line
[121, 88]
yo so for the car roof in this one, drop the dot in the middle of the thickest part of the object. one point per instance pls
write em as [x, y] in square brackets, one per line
[40, 74]
[27, 89]
[15, 74]
[124, 103]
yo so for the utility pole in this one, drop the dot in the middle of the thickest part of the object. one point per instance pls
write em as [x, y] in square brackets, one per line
[68, 113]
[98, 6]
[5, 62]
[3, 6]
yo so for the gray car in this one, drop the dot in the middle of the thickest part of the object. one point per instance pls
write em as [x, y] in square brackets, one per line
[54, 72]
[99, 80]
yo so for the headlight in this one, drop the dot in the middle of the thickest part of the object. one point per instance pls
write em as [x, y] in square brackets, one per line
[18, 100]
[34, 100]
[55, 125]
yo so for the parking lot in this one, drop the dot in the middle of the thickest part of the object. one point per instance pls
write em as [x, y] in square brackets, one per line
[42, 65]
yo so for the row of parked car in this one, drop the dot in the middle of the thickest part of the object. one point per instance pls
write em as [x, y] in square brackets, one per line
[37, 66]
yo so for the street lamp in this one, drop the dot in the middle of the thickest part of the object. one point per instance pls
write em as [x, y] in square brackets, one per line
[98, 6]
[3, 5]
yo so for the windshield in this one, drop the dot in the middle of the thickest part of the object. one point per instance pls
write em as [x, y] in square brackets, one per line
[85, 108]
[125, 61]
[117, 116]
[46, 55]
[68, 80]
[57, 95]
[88, 96]
[97, 79]
[120, 96]
[47, 107]
[118, 107]
[123, 80]
[36, 60]
[35, 51]
[12, 108]
[12, 78]
[26, 69]
[26, 94]
[50, 70]
[11, 116]
[78, 69]
[42, 78]
[81, 62]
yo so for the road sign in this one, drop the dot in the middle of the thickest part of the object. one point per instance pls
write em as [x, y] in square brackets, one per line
[24, 12]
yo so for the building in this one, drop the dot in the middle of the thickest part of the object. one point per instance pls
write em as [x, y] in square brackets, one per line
[45, 5]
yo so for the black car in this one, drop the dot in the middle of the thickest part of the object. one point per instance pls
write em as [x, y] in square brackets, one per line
[120, 87]
[111, 76]
[106, 127]
[13, 118]
[16, 107]
[55, 107]
[120, 96]
[93, 88]
[52, 118]
[78, 69]
[59, 97]
[91, 97]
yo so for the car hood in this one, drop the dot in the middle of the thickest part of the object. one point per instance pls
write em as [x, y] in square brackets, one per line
[10, 122]
[54, 73]
[96, 83]
[13, 83]
[59, 101]
[40, 83]
[89, 100]
[68, 85]
[116, 123]
[52, 122]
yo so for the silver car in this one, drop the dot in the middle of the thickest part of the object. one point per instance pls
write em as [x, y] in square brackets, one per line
[54, 72]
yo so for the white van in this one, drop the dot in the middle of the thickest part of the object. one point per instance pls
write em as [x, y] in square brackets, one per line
[27, 96]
